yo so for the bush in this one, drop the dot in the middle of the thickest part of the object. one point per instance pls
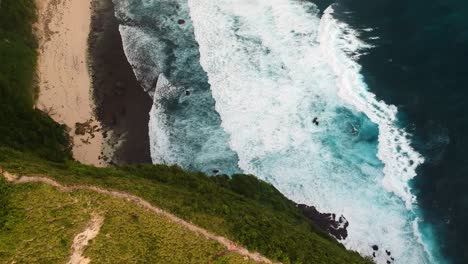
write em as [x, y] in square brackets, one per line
[22, 127]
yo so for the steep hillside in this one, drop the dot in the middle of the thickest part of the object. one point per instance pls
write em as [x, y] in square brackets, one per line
[242, 208]
[98, 227]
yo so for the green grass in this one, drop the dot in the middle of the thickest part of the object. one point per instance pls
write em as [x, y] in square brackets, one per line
[132, 235]
[242, 208]
[40, 225]
[43, 221]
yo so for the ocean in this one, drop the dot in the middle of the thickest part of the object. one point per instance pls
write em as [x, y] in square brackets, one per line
[355, 107]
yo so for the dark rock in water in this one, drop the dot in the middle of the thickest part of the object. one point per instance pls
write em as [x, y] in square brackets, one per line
[180, 21]
[327, 222]
[388, 252]
[375, 247]
[315, 121]
[215, 171]
[373, 254]
[187, 92]
[392, 258]
[388, 262]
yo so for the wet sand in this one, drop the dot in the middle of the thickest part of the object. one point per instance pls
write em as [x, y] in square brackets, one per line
[86, 82]
[122, 105]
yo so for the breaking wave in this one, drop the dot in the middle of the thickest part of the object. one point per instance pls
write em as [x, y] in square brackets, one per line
[299, 115]
[273, 88]
[184, 127]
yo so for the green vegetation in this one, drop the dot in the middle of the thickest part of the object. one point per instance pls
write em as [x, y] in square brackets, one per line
[21, 127]
[4, 198]
[38, 232]
[40, 225]
[37, 223]
[242, 208]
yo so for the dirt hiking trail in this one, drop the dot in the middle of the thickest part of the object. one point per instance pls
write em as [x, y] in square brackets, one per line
[82, 239]
[94, 225]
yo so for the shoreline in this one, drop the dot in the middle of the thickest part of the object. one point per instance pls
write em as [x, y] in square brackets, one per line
[119, 107]
[64, 82]
[122, 106]
[86, 82]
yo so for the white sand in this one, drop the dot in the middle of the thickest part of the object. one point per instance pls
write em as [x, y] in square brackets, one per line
[64, 80]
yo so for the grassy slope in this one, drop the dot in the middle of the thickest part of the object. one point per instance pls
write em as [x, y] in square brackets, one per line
[244, 209]
[39, 232]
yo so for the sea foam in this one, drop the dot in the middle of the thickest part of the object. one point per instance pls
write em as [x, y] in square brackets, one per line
[274, 66]
[339, 43]
[184, 127]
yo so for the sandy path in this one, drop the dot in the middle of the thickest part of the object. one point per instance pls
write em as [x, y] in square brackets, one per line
[230, 245]
[64, 81]
[82, 239]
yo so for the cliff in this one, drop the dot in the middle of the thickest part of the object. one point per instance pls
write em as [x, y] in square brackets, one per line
[53, 221]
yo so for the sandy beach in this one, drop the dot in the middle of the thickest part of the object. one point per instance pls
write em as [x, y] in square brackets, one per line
[64, 81]
[86, 82]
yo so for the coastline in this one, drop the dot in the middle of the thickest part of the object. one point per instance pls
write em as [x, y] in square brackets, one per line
[117, 103]
[64, 81]
[86, 82]
[122, 106]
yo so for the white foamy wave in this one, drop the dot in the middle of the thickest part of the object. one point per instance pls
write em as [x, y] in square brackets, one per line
[271, 76]
[144, 53]
[419, 237]
[162, 151]
[337, 41]
[184, 128]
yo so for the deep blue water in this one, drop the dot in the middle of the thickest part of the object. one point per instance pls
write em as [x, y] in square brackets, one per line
[237, 84]
[419, 64]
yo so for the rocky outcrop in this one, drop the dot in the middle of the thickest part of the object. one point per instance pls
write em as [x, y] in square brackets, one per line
[328, 222]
